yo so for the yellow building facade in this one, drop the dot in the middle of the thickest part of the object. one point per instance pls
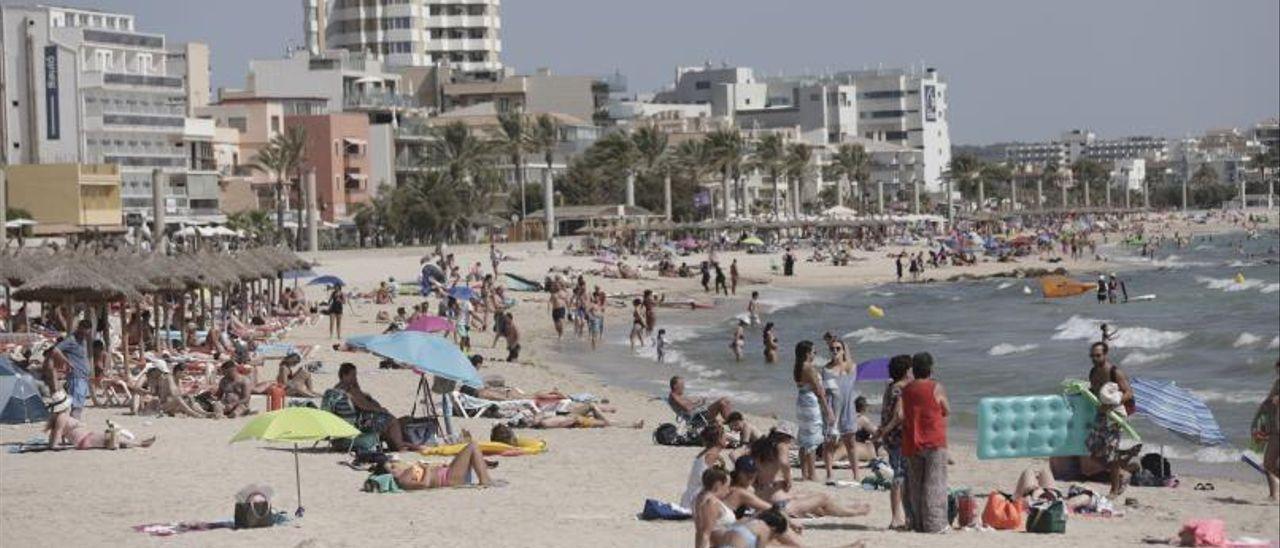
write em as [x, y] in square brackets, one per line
[67, 198]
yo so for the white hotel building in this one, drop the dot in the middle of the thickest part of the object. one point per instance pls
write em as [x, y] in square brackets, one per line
[85, 87]
[460, 34]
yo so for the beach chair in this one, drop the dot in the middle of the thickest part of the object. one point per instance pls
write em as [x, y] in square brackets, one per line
[339, 403]
[691, 425]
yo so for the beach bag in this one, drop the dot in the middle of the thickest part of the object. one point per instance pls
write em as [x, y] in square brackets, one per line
[421, 430]
[966, 508]
[1001, 512]
[666, 434]
[253, 510]
[1047, 517]
[658, 510]
[1203, 532]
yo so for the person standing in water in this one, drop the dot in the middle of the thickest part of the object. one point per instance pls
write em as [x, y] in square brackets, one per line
[1102, 288]
[650, 302]
[721, 286]
[739, 340]
[753, 308]
[770, 344]
[637, 324]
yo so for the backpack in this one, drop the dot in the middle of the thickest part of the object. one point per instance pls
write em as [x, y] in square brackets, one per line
[666, 434]
[1157, 465]
[1047, 517]
[1001, 512]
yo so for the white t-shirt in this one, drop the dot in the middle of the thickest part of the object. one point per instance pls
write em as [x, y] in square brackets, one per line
[695, 482]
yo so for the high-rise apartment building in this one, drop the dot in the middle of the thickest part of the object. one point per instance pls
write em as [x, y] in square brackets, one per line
[85, 87]
[460, 34]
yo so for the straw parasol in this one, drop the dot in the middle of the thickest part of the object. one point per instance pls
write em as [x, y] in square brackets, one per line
[14, 270]
[71, 282]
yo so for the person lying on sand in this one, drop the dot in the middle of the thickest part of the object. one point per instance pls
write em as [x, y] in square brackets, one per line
[1036, 484]
[467, 468]
[587, 415]
[65, 429]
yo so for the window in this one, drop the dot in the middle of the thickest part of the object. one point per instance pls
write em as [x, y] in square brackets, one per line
[275, 124]
[239, 123]
[144, 63]
[815, 97]
[702, 84]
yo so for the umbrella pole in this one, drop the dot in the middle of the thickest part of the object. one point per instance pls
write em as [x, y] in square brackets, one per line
[297, 476]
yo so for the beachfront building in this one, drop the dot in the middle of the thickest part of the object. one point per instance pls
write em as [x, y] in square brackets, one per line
[898, 107]
[1078, 144]
[85, 86]
[538, 93]
[67, 198]
[462, 35]
[337, 151]
[347, 81]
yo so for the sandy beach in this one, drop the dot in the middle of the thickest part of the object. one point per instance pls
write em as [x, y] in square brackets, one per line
[586, 490]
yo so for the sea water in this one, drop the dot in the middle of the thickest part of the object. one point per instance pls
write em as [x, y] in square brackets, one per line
[1205, 330]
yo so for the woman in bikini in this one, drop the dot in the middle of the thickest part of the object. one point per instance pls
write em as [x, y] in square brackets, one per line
[637, 323]
[63, 428]
[588, 415]
[770, 344]
[739, 340]
[467, 468]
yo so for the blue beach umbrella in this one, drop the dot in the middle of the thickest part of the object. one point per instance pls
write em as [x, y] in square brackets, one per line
[1175, 409]
[20, 400]
[462, 292]
[429, 354]
[326, 280]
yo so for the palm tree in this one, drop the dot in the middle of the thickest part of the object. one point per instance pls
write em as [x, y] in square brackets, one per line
[1050, 174]
[515, 138]
[457, 153]
[769, 156]
[966, 171]
[651, 148]
[618, 152]
[851, 163]
[992, 173]
[1268, 160]
[726, 154]
[798, 167]
[545, 137]
[283, 154]
[693, 159]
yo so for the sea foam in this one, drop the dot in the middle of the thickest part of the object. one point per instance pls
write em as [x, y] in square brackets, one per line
[1004, 349]
[1090, 329]
[875, 335]
[1246, 339]
[1142, 358]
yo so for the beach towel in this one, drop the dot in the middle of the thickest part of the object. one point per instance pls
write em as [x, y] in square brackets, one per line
[178, 527]
[658, 510]
[381, 483]
[809, 417]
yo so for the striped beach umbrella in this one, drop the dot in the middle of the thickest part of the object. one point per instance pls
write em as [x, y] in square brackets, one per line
[1175, 409]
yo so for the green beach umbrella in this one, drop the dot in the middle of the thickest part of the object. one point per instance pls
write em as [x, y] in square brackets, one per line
[294, 425]
[751, 240]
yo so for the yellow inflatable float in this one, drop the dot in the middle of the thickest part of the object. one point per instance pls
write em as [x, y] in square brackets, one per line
[875, 312]
[524, 446]
[1239, 277]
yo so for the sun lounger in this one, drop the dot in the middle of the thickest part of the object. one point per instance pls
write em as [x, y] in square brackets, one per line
[472, 406]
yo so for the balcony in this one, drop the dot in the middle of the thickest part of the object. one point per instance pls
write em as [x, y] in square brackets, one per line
[463, 44]
[378, 100]
[463, 21]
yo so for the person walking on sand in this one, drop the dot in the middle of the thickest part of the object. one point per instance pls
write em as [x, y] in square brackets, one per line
[595, 321]
[559, 308]
[1103, 441]
[739, 340]
[897, 261]
[721, 286]
[1268, 416]
[512, 334]
[337, 303]
[733, 277]
[925, 409]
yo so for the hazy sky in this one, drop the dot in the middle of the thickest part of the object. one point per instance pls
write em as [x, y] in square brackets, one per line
[1019, 69]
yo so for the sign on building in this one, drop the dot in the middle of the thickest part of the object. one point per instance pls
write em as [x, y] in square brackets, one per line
[931, 103]
[52, 117]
